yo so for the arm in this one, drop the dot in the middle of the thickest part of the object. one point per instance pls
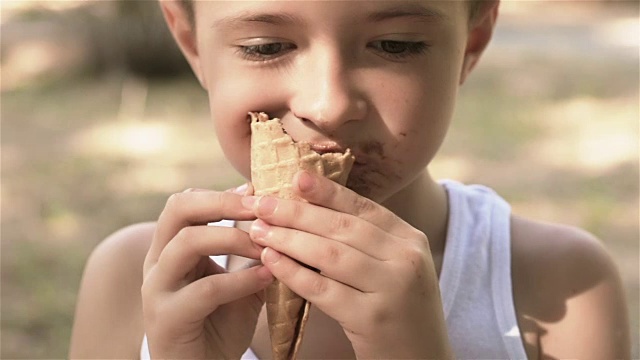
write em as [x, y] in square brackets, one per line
[570, 287]
[108, 320]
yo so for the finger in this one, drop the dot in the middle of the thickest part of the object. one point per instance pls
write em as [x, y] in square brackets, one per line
[240, 190]
[332, 297]
[244, 189]
[202, 297]
[193, 208]
[192, 243]
[333, 259]
[346, 228]
[249, 190]
[324, 192]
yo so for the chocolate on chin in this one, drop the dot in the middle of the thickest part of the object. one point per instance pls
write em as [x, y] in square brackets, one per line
[275, 159]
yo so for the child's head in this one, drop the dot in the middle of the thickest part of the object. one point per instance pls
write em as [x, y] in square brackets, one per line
[378, 77]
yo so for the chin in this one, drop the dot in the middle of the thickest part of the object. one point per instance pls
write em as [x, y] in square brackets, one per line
[372, 183]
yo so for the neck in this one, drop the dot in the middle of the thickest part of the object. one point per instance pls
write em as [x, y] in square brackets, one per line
[423, 204]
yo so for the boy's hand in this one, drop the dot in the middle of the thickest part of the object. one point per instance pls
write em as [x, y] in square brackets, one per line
[377, 277]
[193, 308]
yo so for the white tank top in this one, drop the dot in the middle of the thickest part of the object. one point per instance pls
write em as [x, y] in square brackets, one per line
[475, 281]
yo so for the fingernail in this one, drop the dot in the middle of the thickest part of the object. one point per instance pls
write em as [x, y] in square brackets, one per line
[306, 182]
[240, 190]
[248, 202]
[270, 256]
[266, 205]
[259, 229]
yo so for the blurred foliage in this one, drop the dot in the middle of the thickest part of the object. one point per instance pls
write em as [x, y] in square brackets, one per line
[97, 37]
[148, 47]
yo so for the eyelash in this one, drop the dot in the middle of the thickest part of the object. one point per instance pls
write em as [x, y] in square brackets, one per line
[251, 52]
[411, 48]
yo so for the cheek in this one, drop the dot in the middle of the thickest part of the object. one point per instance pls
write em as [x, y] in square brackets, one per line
[233, 92]
[230, 119]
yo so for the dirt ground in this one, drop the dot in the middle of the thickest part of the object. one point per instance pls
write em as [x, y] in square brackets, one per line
[549, 119]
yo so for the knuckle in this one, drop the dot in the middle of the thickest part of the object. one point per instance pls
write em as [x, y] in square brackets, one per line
[209, 289]
[414, 254]
[318, 286]
[186, 234]
[174, 201]
[296, 209]
[363, 205]
[331, 191]
[340, 222]
[223, 199]
[332, 254]
[421, 240]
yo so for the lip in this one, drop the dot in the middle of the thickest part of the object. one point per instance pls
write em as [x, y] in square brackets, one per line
[326, 147]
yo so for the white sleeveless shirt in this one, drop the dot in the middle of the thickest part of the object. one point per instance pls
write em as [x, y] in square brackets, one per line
[475, 281]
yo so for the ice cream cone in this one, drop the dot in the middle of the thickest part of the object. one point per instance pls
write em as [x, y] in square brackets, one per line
[275, 159]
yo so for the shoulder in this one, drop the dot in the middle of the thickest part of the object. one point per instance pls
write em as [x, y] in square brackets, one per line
[568, 293]
[130, 244]
[538, 245]
[108, 320]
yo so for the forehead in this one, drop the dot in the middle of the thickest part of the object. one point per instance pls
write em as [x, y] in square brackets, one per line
[222, 14]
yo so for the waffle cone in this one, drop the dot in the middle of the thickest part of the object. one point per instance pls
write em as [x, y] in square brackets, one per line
[275, 159]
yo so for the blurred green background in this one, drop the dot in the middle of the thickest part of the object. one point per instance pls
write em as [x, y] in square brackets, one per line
[101, 121]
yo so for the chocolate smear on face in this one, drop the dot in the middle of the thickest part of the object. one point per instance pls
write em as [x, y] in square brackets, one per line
[374, 148]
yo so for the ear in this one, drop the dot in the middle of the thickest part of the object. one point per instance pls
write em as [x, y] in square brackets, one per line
[480, 33]
[184, 34]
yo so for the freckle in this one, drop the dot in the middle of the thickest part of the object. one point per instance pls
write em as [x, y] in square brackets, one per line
[403, 134]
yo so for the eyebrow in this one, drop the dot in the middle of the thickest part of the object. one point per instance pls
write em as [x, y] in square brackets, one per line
[248, 17]
[421, 13]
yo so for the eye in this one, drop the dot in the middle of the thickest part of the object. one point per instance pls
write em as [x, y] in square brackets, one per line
[399, 49]
[266, 51]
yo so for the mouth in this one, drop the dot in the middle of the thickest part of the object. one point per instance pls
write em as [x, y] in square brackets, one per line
[326, 147]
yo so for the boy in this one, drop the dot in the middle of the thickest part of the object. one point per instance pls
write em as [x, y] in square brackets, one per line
[409, 267]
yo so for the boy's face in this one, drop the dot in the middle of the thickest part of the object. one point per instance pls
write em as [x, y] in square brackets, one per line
[378, 77]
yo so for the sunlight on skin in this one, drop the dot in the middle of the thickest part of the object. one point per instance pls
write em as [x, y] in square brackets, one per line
[602, 134]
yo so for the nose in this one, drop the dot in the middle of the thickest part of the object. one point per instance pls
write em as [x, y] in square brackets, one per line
[326, 93]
